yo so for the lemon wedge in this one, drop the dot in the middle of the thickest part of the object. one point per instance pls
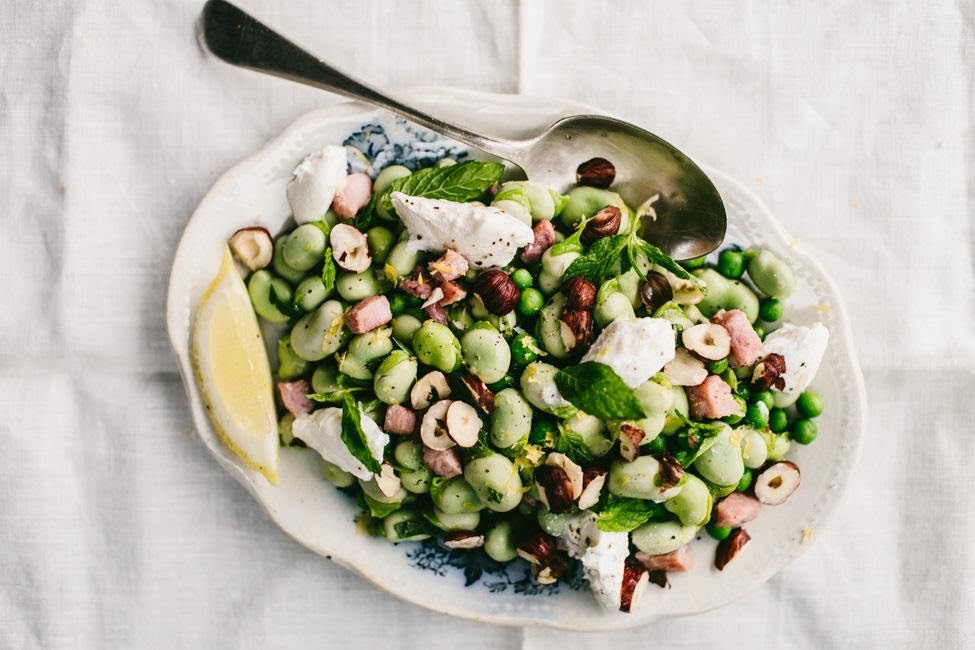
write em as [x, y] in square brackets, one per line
[233, 372]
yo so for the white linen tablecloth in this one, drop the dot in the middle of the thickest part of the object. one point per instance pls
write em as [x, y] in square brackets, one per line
[853, 120]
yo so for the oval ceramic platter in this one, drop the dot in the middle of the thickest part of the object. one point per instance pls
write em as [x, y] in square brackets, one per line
[467, 584]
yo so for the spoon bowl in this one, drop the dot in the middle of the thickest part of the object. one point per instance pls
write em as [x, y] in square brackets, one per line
[689, 217]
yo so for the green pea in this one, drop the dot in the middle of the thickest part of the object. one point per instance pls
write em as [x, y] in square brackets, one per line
[499, 543]
[658, 445]
[401, 259]
[435, 345]
[522, 278]
[771, 275]
[531, 302]
[659, 537]
[757, 415]
[731, 263]
[505, 382]
[496, 481]
[456, 496]
[259, 288]
[398, 521]
[511, 418]
[804, 431]
[810, 404]
[405, 326]
[280, 266]
[721, 464]
[357, 286]
[524, 349]
[696, 263]
[284, 429]
[549, 328]
[380, 240]
[311, 293]
[542, 429]
[584, 201]
[639, 479]
[305, 247]
[719, 533]
[760, 331]
[692, 504]
[765, 396]
[778, 420]
[320, 333]
[387, 176]
[290, 365]
[460, 521]
[397, 303]
[771, 310]
[717, 367]
[746, 481]
[394, 377]
[338, 476]
[743, 391]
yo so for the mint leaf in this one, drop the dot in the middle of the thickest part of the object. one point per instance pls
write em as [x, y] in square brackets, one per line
[692, 441]
[437, 485]
[333, 397]
[379, 509]
[495, 496]
[412, 527]
[572, 445]
[328, 271]
[599, 261]
[464, 181]
[623, 514]
[354, 437]
[661, 258]
[597, 390]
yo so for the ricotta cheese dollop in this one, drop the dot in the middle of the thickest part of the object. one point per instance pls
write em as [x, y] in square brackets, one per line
[636, 348]
[322, 431]
[484, 235]
[316, 180]
[803, 349]
[603, 564]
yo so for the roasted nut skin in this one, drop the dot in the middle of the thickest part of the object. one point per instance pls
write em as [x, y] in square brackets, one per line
[253, 260]
[596, 172]
[580, 322]
[769, 371]
[632, 572]
[479, 391]
[604, 223]
[497, 290]
[539, 549]
[580, 293]
[670, 470]
[655, 291]
[729, 547]
[557, 486]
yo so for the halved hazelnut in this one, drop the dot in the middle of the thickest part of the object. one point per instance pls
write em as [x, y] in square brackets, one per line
[729, 547]
[708, 340]
[463, 424]
[548, 564]
[777, 483]
[671, 472]
[554, 488]
[387, 481]
[350, 248]
[655, 291]
[429, 386]
[479, 391]
[571, 469]
[635, 581]
[579, 323]
[630, 439]
[435, 296]
[567, 335]
[464, 539]
[685, 369]
[252, 247]
[593, 480]
[769, 372]
[433, 433]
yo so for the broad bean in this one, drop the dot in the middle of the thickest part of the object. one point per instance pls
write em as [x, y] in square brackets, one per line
[656, 401]
[496, 481]
[325, 377]
[383, 179]
[405, 326]
[771, 275]
[511, 418]
[435, 345]
[290, 365]
[408, 455]
[459, 521]
[671, 311]
[778, 446]
[541, 202]
[584, 201]
[305, 247]
[673, 423]
[592, 430]
[754, 449]
[538, 387]
[554, 523]
[459, 317]
[320, 333]
[456, 496]
[485, 352]
[723, 293]
[259, 288]
[513, 201]
[721, 463]
[692, 504]
[280, 266]
[551, 331]
[395, 523]
[555, 265]
[639, 479]
[380, 240]
[394, 377]
[612, 304]
[357, 286]
[311, 293]
[337, 476]
[659, 537]
[499, 543]
[401, 259]
[363, 350]
[371, 490]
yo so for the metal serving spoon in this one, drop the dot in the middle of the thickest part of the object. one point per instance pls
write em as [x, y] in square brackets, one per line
[690, 216]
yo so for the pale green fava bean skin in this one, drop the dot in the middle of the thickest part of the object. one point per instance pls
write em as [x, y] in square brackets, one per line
[405, 326]
[723, 293]
[402, 259]
[435, 345]
[778, 447]
[311, 293]
[496, 481]
[290, 365]
[584, 201]
[554, 523]
[656, 401]
[398, 517]
[357, 286]
[284, 429]
[672, 423]
[325, 377]
[499, 543]
[364, 349]
[387, 176]
[592, 430]
[371, 490]
[485, 352]
[338, 476]
[771, 275]
[538, 386]
[305, 247]
[259, 288]
[511, 418]
[280, 266]
[380, 240]
[557, 265]
[549, 327]
[659, 537]
[721, 464]
[394, 377]
[459, 521]
[320, 333]
[692, 504]
[416, 481]
[639, 479]
[613, 306]
[408, 454]
[754, 450]
[457, 496]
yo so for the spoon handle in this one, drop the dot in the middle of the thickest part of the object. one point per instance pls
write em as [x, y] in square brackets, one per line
[240, 39]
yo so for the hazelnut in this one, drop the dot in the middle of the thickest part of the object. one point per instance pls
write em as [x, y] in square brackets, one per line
[579, 323]
[655, 291]
[777, 483]
[479, 391]
[252, 247]
[572, 470]
[685, 369]
[635, 581]
[729, 547]
[548, 565]
[671, 472]
[464, 539]
[433, 384]
[707, 340]
[630, 439]
[497, 291]
[604, 223]
[433, 431]
[593, 480]
[769, 371]
[596, 172]
[554, 488]
[387, 481]
[463, 424]
[580, 293]
[350, 248]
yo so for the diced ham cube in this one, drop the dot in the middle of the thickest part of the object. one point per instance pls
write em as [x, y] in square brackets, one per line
[746, 346]
[353, 196]
[436, 312]
[711, 399]
[294, 396]
[445, 463]
[368, 314]
[452, 292]
[673, 562]
[544, 237]
[736, 509]
[400, 419]
[450, 266]
[419, 283]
